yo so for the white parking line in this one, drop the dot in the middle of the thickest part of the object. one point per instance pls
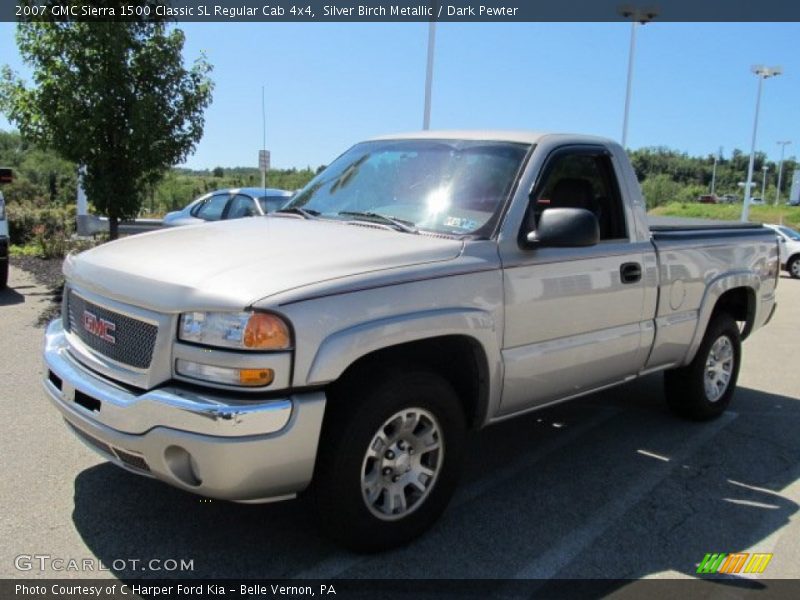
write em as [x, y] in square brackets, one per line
[561, 555]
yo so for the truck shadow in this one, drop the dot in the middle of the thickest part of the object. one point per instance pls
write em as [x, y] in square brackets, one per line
[610, 486]
[10, 296]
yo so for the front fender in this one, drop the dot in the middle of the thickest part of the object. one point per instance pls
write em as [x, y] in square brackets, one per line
[342, 348]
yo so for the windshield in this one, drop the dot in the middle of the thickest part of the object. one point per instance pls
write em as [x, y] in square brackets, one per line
[790, 233]
[447, 186]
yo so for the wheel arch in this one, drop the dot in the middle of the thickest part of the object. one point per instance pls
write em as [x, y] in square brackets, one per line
[460, 345]
[732, 293]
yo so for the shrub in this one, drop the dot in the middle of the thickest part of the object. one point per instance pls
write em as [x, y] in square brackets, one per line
[27, 224]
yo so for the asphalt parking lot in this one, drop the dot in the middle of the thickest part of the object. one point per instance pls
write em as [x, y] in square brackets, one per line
[608, 486]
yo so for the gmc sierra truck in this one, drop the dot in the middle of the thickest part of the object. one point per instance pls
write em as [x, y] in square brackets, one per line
[419, 286]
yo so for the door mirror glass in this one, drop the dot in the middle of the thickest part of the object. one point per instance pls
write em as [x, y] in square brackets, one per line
[565, 228]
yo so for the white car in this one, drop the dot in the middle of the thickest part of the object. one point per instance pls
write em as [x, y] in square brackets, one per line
[789, 244]
[229, 204]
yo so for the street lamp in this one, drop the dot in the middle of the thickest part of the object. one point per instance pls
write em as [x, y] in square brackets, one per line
[780, 171]
[765, 168]
[638, 17]
[762, 73]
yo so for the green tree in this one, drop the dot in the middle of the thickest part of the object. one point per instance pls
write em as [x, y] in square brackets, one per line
[115, 97]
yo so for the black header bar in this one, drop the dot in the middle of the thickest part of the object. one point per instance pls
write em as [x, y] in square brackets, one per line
[321, 11]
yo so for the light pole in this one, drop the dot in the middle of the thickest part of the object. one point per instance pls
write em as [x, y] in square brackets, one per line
[426, 118]
[762, 73]
[714, 173]
[637, 18]
[780, 171]
[765, 168]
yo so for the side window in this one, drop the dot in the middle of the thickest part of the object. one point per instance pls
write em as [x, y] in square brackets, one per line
[241, 206]
[582, 180]
[212, 209]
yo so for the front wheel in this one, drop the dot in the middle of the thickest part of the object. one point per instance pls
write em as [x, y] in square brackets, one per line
[388, 461]
[703, 389]
[794, 266]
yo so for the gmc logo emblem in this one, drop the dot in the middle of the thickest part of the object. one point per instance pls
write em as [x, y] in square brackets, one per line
[99, 327]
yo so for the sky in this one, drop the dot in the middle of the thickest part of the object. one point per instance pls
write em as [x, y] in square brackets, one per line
[329, 86]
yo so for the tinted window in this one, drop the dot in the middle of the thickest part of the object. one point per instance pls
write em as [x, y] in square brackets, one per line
[241, 206]
[582, 180]
[212, 209]
[272, 203]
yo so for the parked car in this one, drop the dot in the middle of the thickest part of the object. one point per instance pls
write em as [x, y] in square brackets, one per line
[757, 201]
[789, 248]
[708, 199]
[420, 286]
[229, 204]
[728, 199]
[5, 177]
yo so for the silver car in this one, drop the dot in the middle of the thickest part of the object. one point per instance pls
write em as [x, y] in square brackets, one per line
[232, 203]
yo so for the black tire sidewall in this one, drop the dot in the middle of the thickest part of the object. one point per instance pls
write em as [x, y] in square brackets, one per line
[791, 264]
[340, 505]
[694, 402]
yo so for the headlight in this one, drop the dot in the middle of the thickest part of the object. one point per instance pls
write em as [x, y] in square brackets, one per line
[242, 330]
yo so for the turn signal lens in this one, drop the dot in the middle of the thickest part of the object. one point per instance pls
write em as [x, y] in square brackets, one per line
[266, 332]
[256, 376]
[226, 375]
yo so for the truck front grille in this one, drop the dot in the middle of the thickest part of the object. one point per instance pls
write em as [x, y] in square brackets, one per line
[117, 336]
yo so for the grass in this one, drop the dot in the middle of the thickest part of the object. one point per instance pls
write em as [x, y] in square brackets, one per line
[26, 250]
[786, 215]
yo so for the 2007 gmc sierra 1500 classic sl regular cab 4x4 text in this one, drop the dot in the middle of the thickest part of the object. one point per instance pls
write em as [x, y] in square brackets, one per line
[421, 285]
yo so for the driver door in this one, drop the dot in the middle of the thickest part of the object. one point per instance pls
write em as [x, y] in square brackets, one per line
[574, 316]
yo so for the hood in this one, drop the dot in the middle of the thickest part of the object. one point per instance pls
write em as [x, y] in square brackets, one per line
[232, 264]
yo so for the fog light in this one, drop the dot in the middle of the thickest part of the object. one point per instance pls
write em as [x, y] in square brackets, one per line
[226, 375]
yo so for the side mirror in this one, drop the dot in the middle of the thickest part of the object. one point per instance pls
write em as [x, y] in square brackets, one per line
[565, 228]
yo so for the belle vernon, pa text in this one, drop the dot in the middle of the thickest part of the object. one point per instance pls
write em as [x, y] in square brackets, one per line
[154, 591]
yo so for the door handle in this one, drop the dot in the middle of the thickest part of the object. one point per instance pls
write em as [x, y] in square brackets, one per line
[630, 272]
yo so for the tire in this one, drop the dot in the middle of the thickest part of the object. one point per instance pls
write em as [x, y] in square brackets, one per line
[703, 389]
[3, 274]
[793, 266]
[366, 457]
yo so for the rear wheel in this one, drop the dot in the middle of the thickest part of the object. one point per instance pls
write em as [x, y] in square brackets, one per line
[794, 266]
[703, 389]
[389, 460]
[3, 274]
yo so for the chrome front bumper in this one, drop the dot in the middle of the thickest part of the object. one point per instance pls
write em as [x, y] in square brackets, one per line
[240, 450]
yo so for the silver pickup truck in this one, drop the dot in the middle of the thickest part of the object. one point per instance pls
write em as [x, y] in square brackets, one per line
[420, 286]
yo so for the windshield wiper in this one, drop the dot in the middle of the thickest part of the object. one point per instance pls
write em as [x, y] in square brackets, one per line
[306, 213]
[399, 224]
